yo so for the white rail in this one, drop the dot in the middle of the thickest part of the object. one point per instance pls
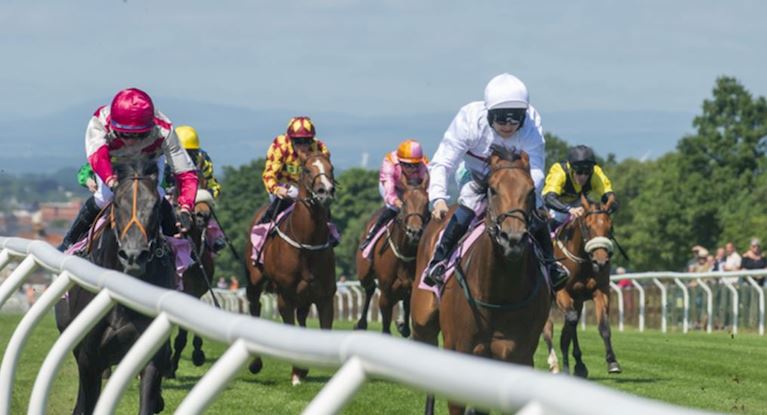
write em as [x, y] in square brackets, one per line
[361, 356]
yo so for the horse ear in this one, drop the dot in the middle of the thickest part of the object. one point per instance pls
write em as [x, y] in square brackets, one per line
[493, 160]
[525, 159]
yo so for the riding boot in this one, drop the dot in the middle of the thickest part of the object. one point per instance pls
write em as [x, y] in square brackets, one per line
[383, 218]
[275, 207]
[557, 272]
[168, 218]
[453, 232]
[85, 217]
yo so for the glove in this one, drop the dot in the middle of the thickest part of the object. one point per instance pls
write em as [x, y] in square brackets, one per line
[439, 210]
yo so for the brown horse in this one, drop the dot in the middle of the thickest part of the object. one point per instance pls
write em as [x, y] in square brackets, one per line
[498, 301]
[585, 247]
[196, 281]
[299, 263]
[393, 259]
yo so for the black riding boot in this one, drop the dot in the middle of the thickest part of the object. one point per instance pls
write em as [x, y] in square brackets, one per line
[167, 218]
[275, 208]
[454, 230]
[557, 272]
[85, 217]
[384, 217]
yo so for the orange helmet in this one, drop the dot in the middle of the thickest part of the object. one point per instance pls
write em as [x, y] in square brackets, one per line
[410, 151]
[301, 127]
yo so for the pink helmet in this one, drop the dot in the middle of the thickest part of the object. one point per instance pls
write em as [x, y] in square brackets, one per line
[132, 111]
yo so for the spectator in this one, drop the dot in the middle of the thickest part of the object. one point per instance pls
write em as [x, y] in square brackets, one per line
[732, 262]
[719, 260]
[753, 259]
[694, 260]
[342, 286]
[222, 283]
[234, 284]
[701, 261]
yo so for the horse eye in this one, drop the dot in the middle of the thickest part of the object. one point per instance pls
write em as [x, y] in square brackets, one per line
[492, 191]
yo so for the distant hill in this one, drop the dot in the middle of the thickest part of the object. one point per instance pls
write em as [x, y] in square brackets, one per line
[236, 135]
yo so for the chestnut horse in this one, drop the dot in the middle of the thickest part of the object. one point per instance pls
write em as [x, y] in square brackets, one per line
[130, 242]
[497, 302]
[585, 247]
[299, 263]
[196, 281]
[393, 258]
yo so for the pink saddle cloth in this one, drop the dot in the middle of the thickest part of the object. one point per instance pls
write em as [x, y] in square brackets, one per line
[368, 251]
[260, 233]
[181, 249]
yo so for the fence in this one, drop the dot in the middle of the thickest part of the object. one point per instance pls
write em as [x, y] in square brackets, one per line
[480, 382]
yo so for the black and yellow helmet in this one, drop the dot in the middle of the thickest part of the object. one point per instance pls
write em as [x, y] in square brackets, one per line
[581, 156]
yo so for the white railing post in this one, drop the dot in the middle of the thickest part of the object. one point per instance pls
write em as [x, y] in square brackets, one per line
[709, 304]
[618, 291]
[360, 294]
[134, 361]
[583, 317]
[639, 288]
[760, 293]
[350, 304]
[663, 323]
[735, 305]
[5, 258]
[20, 336]
[686, 298]
[339, 390]
[78, 328]
[340, 304]
[13, 282]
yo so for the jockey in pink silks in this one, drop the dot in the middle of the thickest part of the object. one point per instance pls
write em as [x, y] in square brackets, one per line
[408, 160]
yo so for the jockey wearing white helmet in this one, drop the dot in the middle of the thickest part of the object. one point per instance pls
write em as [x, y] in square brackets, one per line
[504, 118]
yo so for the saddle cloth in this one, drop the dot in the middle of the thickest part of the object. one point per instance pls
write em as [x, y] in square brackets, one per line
[368, 251]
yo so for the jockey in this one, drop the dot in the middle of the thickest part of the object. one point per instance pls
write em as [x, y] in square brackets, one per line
[283, 165]
[408, 160]
[568, 179]
[211, 188]
[505, 118]
[128, 128]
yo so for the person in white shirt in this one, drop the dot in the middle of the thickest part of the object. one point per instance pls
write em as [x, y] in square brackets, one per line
[505, 118]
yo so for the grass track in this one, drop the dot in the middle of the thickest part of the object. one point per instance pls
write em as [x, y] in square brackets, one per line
[716, 372]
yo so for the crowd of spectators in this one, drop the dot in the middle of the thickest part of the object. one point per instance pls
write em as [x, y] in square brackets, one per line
[727, 258]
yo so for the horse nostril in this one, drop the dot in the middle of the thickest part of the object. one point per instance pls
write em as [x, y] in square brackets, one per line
[321, 191]
[143, 256]
[122, 254]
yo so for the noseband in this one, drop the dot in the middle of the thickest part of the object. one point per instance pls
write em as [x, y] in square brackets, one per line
[134, 221]
[314, 198]
[496, 220]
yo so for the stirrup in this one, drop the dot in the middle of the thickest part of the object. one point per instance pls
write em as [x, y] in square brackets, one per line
[558, 274]
[435, 274]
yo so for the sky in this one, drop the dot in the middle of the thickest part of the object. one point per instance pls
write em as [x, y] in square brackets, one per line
[383, 59]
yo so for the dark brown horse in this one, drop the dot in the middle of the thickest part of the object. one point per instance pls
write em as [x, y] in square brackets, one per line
[299, 263]
[585, 247]
[497, 302]
[393, 258]
[196, 281]
[131, 242]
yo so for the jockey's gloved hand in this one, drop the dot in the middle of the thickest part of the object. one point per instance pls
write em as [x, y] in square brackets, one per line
[184, 223]
[111, 182]
[440, 209]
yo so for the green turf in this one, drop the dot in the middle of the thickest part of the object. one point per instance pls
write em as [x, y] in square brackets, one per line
[716, 372]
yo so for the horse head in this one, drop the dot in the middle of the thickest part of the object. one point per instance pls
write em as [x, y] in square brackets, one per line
[317, 185]
[596, 231]
[202, 209]
[510, 200]
[135, 214]
[414, 214]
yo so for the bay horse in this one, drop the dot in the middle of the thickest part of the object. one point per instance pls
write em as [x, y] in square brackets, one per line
[498, 301]
[196, 281]
[131, 242]
[585, 247]
[392, 261]
[299, 264]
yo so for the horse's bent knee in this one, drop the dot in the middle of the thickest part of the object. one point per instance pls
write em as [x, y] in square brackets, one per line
[571, 317]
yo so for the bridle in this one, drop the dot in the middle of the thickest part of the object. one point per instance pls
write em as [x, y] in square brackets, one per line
[313, 198]
[591, 244]
[495, 221]
[157, 251]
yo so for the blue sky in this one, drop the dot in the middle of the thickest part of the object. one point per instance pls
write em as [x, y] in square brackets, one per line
[381, 59]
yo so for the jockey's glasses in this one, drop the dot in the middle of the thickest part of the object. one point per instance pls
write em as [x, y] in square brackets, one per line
[583, 170]
[132, 136]
[302, 141]
[503, 116]
[409, 166]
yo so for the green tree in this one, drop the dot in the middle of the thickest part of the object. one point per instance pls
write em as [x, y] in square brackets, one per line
[556, 149]
[357, 198]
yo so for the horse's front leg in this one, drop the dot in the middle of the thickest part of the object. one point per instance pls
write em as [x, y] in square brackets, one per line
[565, 303]
[178, 346]
[602, 307]
[253, 293]
[385, 307]
[370, 289]
[287, 309]
[198, 356]
[404, 326]
[580, 368]
[548, 336]
[89, 389]
[150, 394]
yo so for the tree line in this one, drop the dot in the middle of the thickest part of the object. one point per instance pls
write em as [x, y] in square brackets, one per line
[711, 189]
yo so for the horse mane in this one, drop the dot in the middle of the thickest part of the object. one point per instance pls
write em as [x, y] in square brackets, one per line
[511, 156]
[135, 166]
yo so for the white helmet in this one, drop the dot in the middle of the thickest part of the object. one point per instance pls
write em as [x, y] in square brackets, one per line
[506, 91]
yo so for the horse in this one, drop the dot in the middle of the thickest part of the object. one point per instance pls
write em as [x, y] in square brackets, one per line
[131, 242]
[393, 258]
[298, 259]
[196, 281]
[498, 301]
[585, 247]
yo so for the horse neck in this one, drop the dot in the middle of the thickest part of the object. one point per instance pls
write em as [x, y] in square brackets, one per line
[575, 244]
[309, 223]
[505, 281]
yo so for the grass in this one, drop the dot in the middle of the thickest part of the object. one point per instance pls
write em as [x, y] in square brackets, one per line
[716, 372]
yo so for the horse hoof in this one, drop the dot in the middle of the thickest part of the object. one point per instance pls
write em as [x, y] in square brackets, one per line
[256, 366]
[198, 357]
[403, 329]
[295, 380]
[614, 368]
[160, 405]
[581, 371]
[361, 326]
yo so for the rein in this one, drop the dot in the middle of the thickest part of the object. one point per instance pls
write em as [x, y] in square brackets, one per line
[157, 247]
[590, 244]
[394, 249]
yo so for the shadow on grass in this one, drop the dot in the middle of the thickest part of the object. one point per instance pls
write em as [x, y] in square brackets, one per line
[622, 379]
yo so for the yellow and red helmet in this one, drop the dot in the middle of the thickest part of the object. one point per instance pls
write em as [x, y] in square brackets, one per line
[410, 151]
[301, 127]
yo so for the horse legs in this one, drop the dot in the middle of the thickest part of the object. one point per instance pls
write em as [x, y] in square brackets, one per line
[403, 327]
[385, 306]
[580, 369]
[565, 303]
[253, 293]
[150, 394]
[198, 356]
[548, 334]
[370, 289]
[90, 384]
[287, 311]
[178, 346]
[602, 306]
